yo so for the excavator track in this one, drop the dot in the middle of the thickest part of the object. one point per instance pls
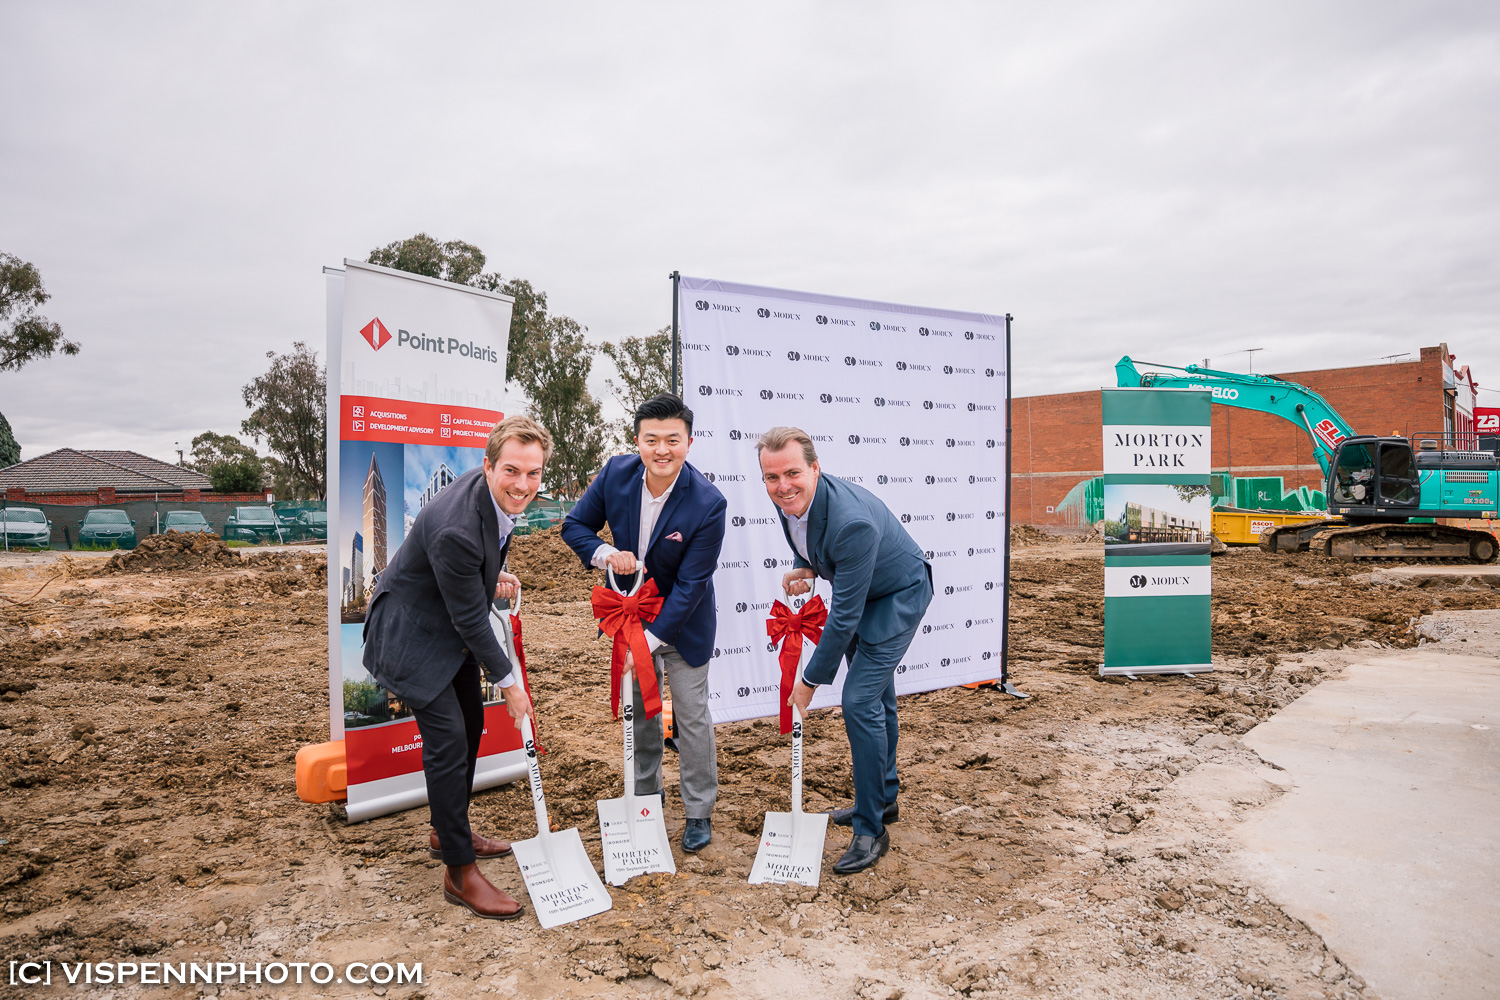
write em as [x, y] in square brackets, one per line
[1374, 542]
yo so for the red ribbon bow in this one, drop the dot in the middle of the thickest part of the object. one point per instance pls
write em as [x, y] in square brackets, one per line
[515, 628]
[788, 627]
[623, 616]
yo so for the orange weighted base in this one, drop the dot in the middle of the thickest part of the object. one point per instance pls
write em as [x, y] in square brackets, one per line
[322, 775]
[666, 719]
[982, 684]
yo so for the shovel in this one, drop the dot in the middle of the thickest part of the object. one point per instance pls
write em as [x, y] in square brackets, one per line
[559, 876]
[632, 828]
[791, 843]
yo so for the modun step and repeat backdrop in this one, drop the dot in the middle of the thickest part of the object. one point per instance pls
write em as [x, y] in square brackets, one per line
[909, 403]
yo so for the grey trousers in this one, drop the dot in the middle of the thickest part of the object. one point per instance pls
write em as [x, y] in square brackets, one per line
[697, 757]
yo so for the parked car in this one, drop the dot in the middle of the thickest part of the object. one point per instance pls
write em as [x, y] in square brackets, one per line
[25, 527]
[189, 522]
[309, 524]
[106, 529]
[253, 524]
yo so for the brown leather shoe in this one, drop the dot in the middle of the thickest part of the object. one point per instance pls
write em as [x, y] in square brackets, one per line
[463, 885]
[484, 847]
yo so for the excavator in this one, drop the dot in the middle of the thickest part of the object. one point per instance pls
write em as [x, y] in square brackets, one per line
[1377, 487]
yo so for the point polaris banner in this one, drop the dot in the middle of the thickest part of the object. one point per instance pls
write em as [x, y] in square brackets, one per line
[1157, 531]
[909, 403]
[416, 377]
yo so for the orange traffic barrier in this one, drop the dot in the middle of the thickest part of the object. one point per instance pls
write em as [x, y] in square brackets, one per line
[322, 775]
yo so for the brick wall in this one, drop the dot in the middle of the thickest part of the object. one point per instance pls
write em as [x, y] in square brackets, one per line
[1057, 438]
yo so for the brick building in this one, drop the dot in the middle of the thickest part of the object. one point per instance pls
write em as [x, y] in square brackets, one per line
[1056, 439]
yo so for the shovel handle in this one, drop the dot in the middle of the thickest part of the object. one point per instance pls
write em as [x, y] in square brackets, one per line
[613, 584]
[796, 761]
[534, 771]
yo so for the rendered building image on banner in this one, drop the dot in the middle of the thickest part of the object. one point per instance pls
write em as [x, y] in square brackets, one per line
[909, 403]
[1158, 524]
[421, 372]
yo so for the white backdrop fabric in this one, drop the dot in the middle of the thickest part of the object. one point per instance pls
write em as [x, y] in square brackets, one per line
[909, 403]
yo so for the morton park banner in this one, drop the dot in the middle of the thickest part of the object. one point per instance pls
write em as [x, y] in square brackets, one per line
[1157, 531]
[908, 402]
[416, 375]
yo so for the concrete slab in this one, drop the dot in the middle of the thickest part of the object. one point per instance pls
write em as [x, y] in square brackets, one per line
[1483, 573]
[1388, 842]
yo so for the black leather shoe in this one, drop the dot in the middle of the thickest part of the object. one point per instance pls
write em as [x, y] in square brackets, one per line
[862, 853]
[845, 817]
[697, 835]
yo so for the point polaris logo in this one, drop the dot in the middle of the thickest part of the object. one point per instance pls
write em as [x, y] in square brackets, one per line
[376, 333]
[434, 345]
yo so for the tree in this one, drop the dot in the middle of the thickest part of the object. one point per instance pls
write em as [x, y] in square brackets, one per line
[555, 375]
[644, 368]
[230, 465]
[24, 335]
[1187, 494]
[463, 264]
[287, 410]
[10, 448]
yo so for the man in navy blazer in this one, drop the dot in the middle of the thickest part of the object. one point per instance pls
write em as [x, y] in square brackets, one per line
[664, 514]
[882, 584]
[428, 635]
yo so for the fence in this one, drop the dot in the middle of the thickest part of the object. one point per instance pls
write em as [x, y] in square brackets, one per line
[146, 517]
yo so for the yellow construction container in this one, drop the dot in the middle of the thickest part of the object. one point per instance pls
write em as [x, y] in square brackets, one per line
[1234, 526]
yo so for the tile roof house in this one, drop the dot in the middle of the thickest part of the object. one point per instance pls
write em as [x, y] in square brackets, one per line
[70, 475]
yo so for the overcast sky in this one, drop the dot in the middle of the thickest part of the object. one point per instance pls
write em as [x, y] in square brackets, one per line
[1175, 181]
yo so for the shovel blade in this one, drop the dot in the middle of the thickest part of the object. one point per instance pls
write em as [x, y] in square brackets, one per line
[791, 848]
[560, 878]
[648, 850]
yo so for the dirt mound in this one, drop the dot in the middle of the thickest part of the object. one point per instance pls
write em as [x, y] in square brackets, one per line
[172, 551]
[550, 572]
[1023, 536]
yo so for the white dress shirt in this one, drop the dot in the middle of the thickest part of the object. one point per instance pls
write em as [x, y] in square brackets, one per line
[507, 525]
[651, 508]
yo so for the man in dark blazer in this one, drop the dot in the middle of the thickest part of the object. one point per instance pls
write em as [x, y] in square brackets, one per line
[882, 584]
[664, 514]
[428, 635]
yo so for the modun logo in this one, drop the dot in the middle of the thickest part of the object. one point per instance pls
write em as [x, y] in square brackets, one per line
[376, 333]
[991, 373]
[724, 477]
[768, 562]
[735, 564]
[1137, 581]
[731, 350]
[705, 390]
[981, 479]
[912, 366]
[989, 585]
[699, 432]
[926, 332]
[990, 443]
[990, 515]
[741, 607]
[906, 519]
[822, 437]
[854, 439]
[701, 305]
[955, 370]
[763, 313]
[825, 397]
[981, 406]
[694, 347]
[948, 590]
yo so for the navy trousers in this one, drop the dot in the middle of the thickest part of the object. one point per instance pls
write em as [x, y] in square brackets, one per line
[451, 727]
[870, 721]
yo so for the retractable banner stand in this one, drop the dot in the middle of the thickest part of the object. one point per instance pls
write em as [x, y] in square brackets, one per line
[1157, 531]
[416, 378]
[909, 403]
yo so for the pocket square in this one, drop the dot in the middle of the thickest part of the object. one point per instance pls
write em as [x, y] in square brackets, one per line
[675, 536]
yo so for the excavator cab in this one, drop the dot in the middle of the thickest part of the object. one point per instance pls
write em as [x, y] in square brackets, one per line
[1374, 479]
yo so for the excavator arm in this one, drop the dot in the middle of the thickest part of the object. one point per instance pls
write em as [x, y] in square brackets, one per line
[1263, 393]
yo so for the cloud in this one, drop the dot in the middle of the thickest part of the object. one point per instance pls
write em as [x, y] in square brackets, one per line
[1171, 181]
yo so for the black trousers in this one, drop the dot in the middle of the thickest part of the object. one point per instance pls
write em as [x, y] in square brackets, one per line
[451, 726]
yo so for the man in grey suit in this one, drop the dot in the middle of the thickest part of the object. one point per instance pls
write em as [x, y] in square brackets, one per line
[428, 635]
[882, 584]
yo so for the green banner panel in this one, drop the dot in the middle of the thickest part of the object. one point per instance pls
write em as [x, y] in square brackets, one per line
[1156, 406]
[1142, 633]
